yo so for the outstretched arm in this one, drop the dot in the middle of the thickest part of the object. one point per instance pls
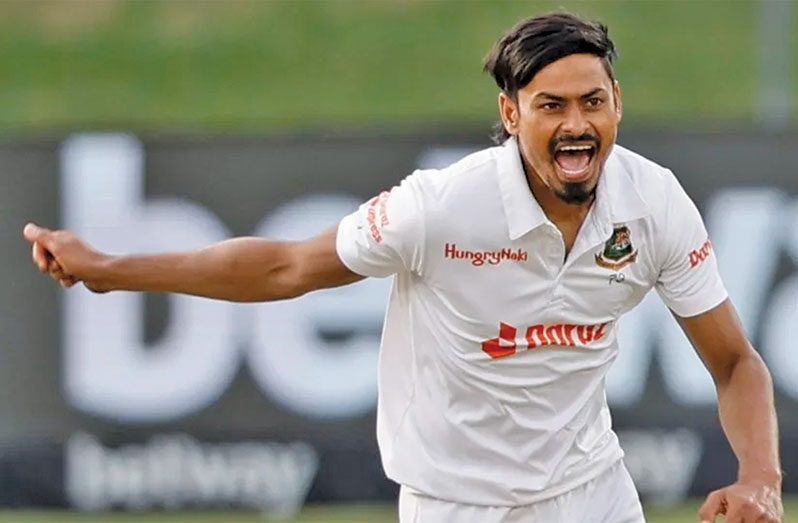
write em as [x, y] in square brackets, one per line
[241, 269]
[747, 413]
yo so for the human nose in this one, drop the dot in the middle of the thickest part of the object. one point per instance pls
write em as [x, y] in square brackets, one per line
[575, 123]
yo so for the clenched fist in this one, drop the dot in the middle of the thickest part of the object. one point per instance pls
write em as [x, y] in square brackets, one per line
[744, 503]
[65, 257]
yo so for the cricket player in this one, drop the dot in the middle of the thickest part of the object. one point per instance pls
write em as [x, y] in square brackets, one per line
[511, 269]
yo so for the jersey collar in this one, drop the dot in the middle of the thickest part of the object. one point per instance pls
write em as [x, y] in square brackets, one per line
[617, 198]
[619, 192]
[522, 211]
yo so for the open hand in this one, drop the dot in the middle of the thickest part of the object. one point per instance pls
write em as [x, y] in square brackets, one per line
[743, 503]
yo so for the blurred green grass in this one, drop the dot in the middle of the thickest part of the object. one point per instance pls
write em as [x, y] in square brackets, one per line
[257, 65]
[685, 513]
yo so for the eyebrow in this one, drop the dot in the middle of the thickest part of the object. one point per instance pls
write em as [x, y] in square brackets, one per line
[592, 93]
[558, 98]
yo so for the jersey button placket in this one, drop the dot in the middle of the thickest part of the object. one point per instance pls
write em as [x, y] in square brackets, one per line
[555, 252]
[557, 299]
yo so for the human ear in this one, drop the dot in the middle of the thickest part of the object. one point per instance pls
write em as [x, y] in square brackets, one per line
[508, 110]
[616, 91]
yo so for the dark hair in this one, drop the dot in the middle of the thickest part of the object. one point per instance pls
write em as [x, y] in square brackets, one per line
[539, 41]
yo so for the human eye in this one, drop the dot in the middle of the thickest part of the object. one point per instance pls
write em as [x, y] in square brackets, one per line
[550, 106]
[594, 101]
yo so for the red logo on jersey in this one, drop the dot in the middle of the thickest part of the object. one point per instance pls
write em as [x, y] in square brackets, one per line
[561, 334]
[377, 205]
[479, 258]
[697, 256]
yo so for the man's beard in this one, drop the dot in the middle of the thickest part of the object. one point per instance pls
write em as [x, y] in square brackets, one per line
[575, 193]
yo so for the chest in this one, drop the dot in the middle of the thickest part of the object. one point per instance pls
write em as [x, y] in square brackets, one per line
[530, 281]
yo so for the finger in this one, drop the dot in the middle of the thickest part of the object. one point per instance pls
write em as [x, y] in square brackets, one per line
[40, 257]
[34, 254]
[736, 517]
[57, 272]
[34, 233]
[769, 517]
[67, 282]
[94, 288]
[738, 511]
[751, 513]
[53, 265]
[759, 514]
[714, 505]
[64, 278]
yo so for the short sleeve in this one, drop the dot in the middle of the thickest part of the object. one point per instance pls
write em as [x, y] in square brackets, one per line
[689, 282]
[386, 234]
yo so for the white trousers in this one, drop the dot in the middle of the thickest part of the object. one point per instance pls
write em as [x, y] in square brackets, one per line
[609, 498]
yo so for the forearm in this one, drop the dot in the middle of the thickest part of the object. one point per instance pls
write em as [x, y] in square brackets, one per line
[748, 416]
[241, 269]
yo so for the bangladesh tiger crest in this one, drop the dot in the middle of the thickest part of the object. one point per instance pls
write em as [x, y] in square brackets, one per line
[618, 250]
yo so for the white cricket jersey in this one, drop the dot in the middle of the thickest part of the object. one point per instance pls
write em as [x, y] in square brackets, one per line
[496, 346]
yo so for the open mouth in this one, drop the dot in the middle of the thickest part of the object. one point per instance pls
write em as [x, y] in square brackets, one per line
[574, 161]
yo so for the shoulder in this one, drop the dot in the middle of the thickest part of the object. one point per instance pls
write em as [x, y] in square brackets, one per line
[468, 175]
[463, 197]
[657, 185]
[647, 175]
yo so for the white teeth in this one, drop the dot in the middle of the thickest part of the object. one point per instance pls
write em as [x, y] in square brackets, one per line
[576, 148]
